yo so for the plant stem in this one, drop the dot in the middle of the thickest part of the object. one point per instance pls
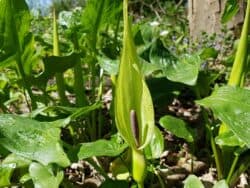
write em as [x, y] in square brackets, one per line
[232, 169]
[138, 167]
[159, 178]
[244, 164]
[217, 157]
[25, 81]
[79, 88]
[215, 149]
[56, 52]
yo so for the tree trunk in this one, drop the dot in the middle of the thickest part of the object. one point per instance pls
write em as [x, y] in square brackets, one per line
[205, 15]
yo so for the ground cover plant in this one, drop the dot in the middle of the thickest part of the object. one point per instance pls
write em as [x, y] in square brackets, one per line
[107, 95]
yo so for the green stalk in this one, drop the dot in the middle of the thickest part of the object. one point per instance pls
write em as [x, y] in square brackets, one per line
[79, 88]
[99, 98]
[25, 81]
[139, 167]
[56, 52]
[244, 164]
[97, 25]
[215, 149]
[161, 182]
[232, 169]
[93, 43]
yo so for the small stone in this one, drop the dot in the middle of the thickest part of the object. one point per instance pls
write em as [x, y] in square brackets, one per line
[76, 166]
[187, 114]
[176, 177]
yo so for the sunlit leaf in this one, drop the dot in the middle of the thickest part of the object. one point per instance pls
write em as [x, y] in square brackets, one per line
[221, 184]
[228, 139]
[183, 69]
[177, 127]
[192, 181]
[43, 176]
[113, 147]
[8, 165]
[232, 106]
[32, 139]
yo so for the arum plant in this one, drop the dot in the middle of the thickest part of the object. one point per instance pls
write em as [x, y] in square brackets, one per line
[56, 52]
[134, 114]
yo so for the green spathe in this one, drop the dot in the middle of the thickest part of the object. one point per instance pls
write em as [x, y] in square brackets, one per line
[132, 93]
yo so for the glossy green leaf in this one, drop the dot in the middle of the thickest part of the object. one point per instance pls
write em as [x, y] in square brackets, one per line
[109, 65]
[183, 69]
[177, 127]
[228, 138]
[192, 181]
[43, 176]
[232, 106]
[32, 139]
[8, 165]
[209, 53]
[113, 147]
[231, 9]
[132, 95]
[156, 146]
[221, 184]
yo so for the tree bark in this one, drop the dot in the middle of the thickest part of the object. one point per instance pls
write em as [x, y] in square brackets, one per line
[205, 16]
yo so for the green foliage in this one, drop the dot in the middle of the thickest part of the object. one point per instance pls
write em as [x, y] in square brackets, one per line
[155, 146]
[231, 9]
[192, 181]
[43, 176]
[9, 165]
[113, 147]
[228, 139]
[177, 127]
[31, 139]
[221, 184]
[231, 106]
[14, 22]
[34, 151]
